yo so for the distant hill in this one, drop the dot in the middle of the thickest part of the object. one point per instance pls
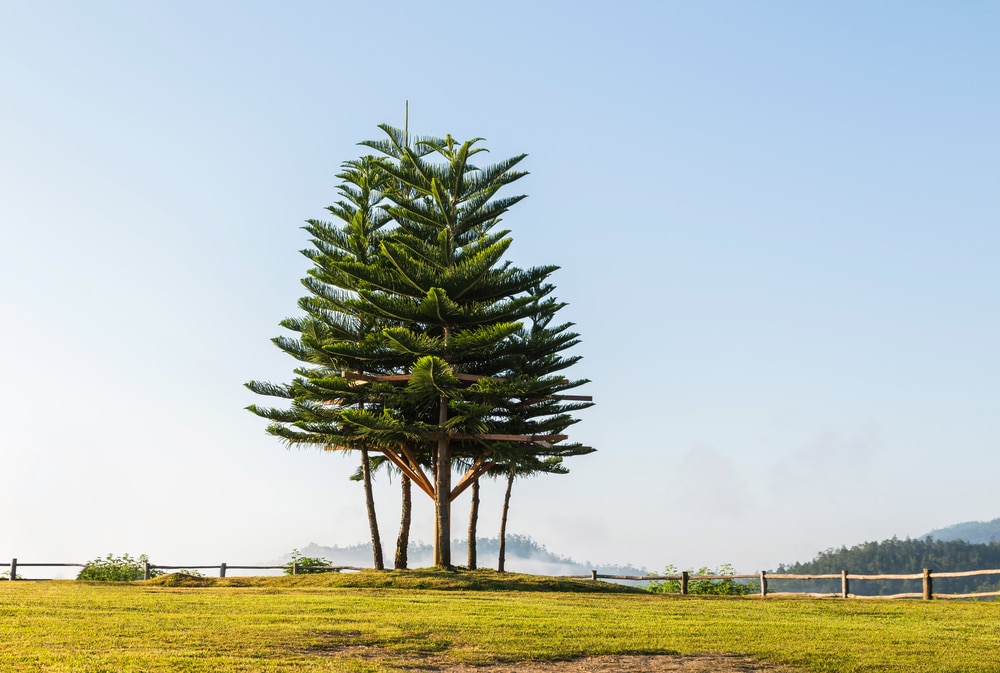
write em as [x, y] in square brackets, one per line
[978, 532]
[522, 555]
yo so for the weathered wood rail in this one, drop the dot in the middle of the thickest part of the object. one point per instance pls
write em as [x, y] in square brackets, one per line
[927, 578]
[147, 567]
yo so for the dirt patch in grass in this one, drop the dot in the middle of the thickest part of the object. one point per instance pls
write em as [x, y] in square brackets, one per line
[631, 663]
[618, 663]
[610, 663]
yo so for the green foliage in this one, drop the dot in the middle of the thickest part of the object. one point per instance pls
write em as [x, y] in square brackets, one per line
[5, 575]
[895, 556]
[666, 586]
[116, 569]
[307, 565]
[724, 586]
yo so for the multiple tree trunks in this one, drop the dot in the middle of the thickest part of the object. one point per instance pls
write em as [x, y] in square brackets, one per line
[407, 463]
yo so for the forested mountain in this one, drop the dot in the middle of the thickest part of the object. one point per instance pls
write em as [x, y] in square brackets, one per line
[523, 554]
[981, 532]
[897, 556]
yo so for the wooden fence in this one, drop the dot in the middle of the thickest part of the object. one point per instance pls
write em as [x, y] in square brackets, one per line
[147, 567]
[927, 578]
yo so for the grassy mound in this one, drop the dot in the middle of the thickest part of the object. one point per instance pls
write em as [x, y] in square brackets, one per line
[424, 579]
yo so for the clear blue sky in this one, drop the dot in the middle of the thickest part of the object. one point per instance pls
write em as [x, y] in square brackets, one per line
[777, 224]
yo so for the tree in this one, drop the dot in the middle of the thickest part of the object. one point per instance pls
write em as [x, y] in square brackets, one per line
[419, 348]
[529, 465]
[471, 563]
[400, 561]
[541, 345]
[377, 463]
[327, 317]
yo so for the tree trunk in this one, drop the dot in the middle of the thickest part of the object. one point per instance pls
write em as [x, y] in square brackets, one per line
[473, 519]
[403, 541]
[442, 493]
[503, 521]
[366, 473]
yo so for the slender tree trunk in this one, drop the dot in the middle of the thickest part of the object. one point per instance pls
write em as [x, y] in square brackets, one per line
[403, 541]
[473, 520]
[442, 493]
[366, 472]
[503, 521]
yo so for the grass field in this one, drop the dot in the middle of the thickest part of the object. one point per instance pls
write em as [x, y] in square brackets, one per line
[411, 620]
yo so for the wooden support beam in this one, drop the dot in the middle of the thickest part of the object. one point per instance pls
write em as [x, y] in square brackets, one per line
[476, 377]
[407, 464]
[417, 475]
[389, 378]
[480, 468]
[525, 439]
[396, 378]
[408, 452]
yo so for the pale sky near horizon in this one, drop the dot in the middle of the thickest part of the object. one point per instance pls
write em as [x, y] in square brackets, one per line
[777, 226]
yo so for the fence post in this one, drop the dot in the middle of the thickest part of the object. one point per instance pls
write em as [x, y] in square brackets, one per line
[844, 584]
[684, 582]
[928, 586]
[763, 582]
[13, 569]
[593, 575]
[222, 570]
[145, 570]
[295, 568]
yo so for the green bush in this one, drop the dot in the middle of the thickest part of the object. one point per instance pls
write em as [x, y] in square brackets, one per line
[306, 565]
[720, 587]
[116, 569]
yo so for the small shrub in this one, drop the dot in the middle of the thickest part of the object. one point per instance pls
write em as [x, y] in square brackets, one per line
[719, 587]
[306, 565]
[666, 586]
[5, 575]
[116, 569]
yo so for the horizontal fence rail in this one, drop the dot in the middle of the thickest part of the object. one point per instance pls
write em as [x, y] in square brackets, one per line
[927, 578]
[222, 567]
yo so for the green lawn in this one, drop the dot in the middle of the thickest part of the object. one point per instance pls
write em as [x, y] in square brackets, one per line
[381, 622]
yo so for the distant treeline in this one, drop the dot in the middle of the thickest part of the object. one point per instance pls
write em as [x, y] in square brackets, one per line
[897, 556]
[523, 553]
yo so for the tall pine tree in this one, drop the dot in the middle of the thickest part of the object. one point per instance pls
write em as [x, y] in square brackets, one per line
[421, 346]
